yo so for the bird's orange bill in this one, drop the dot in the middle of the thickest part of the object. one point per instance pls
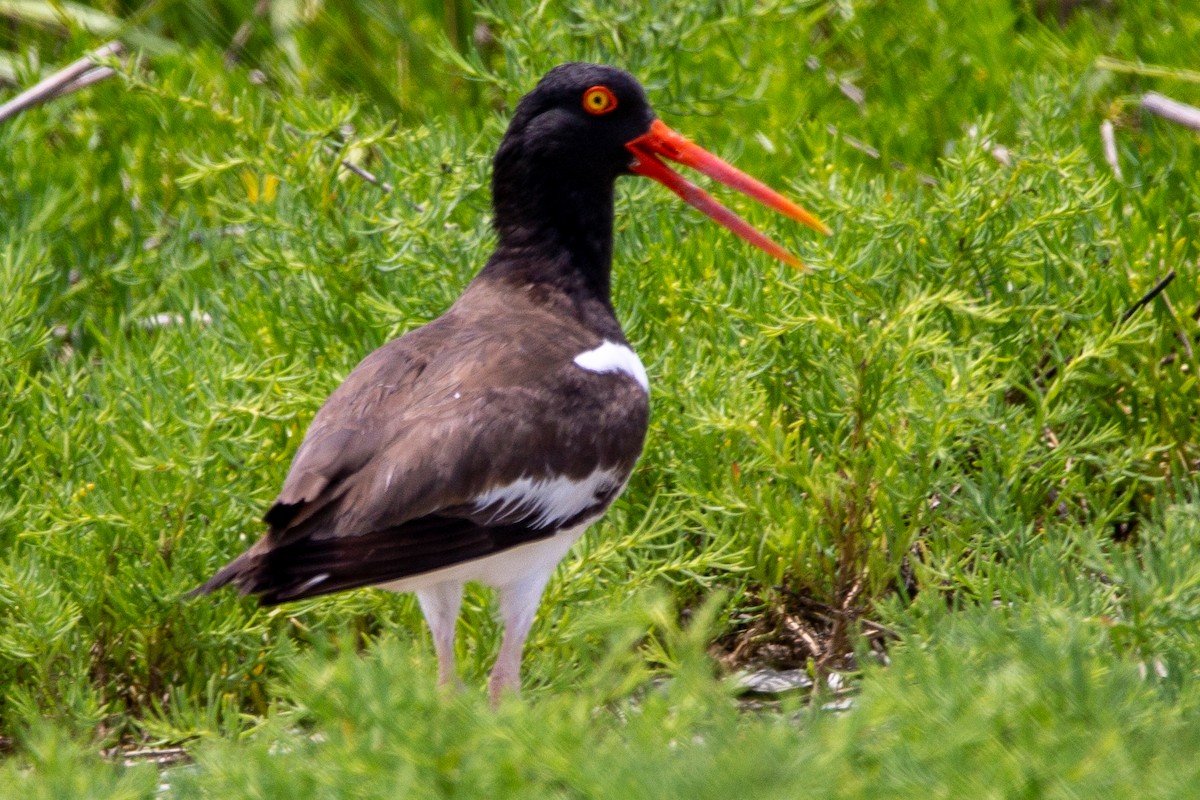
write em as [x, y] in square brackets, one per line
[662, 141]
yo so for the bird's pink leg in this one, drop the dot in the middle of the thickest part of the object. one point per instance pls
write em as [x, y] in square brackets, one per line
[440, 605]
[518, 606]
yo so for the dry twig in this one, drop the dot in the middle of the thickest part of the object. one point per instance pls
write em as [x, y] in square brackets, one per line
[1045, 372]
[1173, 110]
[76, 75]
[1181, 334]
[1109, 139]
[871, 152]
[347, 163]
[242, 35]
[366, 176]
[1154, 292]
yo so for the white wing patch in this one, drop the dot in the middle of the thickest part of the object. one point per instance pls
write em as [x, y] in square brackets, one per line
[548, 502]
[612, 357]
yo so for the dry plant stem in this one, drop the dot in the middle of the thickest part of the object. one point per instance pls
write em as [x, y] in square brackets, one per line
[1173, 110]
[1044, 375]
[1181, 335]
[76, 75]
[804, 635]
[871, 152]
[366, 176]
[1154, 292]
[161, 757]
[242, 36]
[345, 162]
[1109, 139]
[830, 612]
[85, 80]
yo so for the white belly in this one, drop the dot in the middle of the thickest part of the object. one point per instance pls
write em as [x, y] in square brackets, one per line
[505, 568]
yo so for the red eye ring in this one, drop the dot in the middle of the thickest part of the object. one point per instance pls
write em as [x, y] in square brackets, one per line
[599, 100]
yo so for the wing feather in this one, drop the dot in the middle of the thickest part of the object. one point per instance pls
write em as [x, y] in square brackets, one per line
[440, 447]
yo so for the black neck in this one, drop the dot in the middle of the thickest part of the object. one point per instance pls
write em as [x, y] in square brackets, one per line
[555, 224]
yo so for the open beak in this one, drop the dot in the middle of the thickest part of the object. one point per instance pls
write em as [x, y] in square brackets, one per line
[662, 141]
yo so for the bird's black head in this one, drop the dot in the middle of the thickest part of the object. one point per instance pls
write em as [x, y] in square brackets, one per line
[553, 176]
[576, 123]
[582, 127]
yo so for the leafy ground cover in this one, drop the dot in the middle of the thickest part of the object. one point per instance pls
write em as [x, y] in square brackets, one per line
[955, 465]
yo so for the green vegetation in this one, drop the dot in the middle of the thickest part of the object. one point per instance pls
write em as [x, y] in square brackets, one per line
[957, 461]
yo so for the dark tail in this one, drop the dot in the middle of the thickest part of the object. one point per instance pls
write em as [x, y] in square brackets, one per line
[237, 572]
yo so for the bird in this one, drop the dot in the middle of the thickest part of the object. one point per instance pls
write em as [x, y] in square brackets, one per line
[481, 445]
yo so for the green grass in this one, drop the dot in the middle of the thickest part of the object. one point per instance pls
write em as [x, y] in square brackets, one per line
[949, 429]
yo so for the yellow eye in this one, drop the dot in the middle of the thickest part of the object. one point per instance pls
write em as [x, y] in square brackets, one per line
[599, 100]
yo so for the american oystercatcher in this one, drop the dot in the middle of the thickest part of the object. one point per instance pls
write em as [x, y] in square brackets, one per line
[480, 446]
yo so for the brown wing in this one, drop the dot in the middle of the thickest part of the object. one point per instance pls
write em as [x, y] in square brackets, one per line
[390, 478]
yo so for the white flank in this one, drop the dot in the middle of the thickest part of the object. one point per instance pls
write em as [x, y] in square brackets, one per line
[550, 500]
[611, 357]
[535, 560]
